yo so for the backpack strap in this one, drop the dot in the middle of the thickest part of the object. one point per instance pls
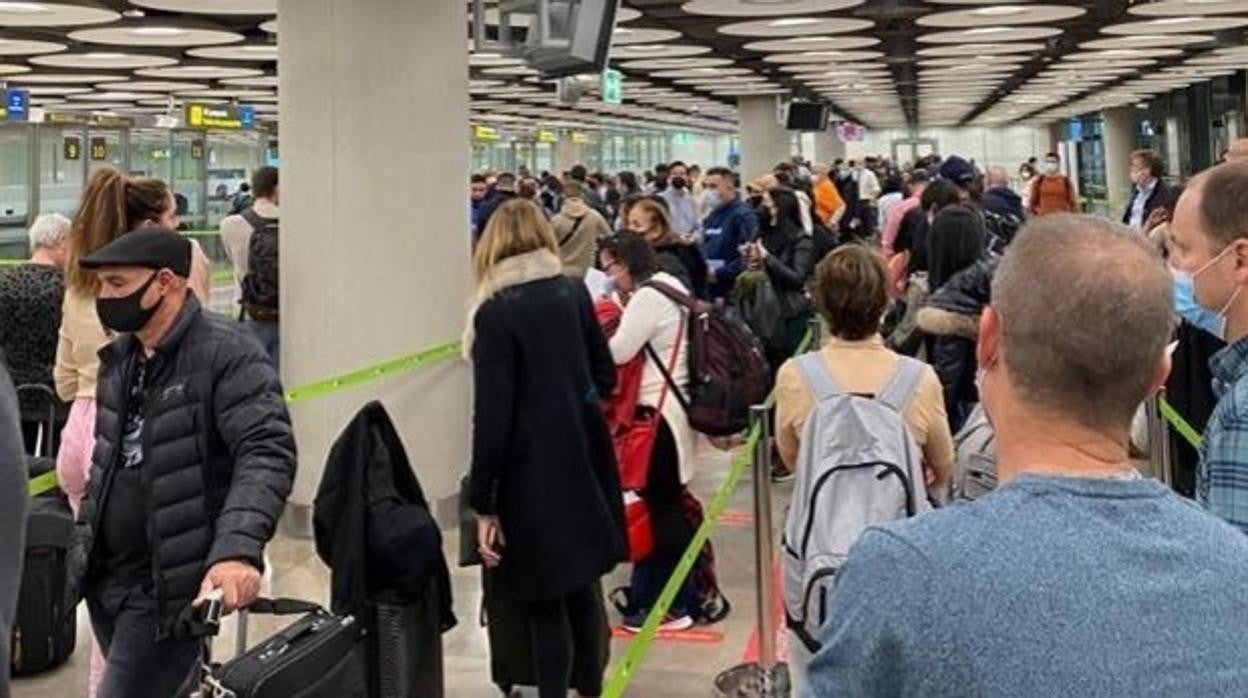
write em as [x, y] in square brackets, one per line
[818, 380]
[902, 385]
[255, 220]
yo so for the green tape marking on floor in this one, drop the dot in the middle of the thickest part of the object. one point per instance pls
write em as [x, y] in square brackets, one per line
[372, 373]
[637, 649]
[44, 483]
[623, 673]
[1180, 425]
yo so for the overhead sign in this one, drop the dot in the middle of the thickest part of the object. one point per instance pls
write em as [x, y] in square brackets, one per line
[612, 86]
[82, 119]
[579, 137]
[849, 132]
[17, 105]
[73, 148]
[220, 116]
[484, 133]
[99, 148]
[545, 136]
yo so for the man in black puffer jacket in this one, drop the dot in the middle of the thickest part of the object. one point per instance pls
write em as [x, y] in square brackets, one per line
[194, 459]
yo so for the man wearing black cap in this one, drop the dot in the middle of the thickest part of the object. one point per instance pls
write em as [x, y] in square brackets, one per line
[194, 459]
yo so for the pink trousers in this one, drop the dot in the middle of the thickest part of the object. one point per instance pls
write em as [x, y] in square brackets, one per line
[73, 467]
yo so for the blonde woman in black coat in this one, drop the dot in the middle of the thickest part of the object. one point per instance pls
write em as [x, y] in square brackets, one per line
[543, 479]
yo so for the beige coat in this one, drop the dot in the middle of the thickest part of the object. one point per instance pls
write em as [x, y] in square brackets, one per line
[578, 243]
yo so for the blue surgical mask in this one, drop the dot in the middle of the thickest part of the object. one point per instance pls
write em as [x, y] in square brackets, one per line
[1189, 309]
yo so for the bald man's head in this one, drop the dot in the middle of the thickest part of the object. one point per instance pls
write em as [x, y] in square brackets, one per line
[996, 176]
[1085, 309]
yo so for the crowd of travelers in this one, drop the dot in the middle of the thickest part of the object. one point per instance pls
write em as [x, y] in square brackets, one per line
[619, 328]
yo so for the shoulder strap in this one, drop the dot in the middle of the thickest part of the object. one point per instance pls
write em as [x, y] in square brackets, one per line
[902, 385]
[818, 380]
[572, 232]
[684, 299]
[255, 220]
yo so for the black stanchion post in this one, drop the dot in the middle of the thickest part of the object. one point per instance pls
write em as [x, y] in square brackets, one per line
[1158, 441]
[767, 678]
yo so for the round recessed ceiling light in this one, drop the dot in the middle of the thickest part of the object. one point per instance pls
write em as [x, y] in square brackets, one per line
[226, 94]
[155, 35]
[52, 14]
[627, 36]
[1138, 41]
[765, 8]
[978, 49]
[199, 72]
[626, 14]
[676, 64]
[238, 52]
[975, 63]
[67, 78]
[995, 32]
[823, 57]
[1117, 54]
[108, 96]
[269, 26]
[103, 60]
[701, 73]
[154, 85]
[26, 47]
[795, 26]
[272, 81]
[629, 52]
[1176, 25]
[212, 7]
[813, 43]
[56, 90]
[994, 15]
[491, 60]
[1183, 8]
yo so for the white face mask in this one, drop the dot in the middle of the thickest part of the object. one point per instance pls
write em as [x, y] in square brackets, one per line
[1050, 167]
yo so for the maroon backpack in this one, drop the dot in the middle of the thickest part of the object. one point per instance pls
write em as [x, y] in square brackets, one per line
[727, 368]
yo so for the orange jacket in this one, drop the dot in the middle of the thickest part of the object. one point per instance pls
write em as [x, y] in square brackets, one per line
[827, 199]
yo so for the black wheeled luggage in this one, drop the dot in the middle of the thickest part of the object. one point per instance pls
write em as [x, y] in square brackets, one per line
[321, 655]
[44, 631]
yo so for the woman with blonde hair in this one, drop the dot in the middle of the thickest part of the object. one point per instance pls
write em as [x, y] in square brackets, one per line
[112, 204]
[682, 259]
[543, 480]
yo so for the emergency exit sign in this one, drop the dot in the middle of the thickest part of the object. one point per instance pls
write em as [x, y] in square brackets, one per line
[612, 86]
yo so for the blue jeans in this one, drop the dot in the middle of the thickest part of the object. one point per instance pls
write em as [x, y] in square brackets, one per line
[270, 336]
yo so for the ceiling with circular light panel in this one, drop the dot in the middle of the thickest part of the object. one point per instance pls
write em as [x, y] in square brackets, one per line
[686, 62]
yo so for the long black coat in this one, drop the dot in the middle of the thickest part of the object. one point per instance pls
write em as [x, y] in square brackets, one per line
[542, 458]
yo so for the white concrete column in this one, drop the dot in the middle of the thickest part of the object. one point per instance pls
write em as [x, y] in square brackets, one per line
[764, 140]
[828, 147]
[375, 240]
[1120, 141]
[567, 155]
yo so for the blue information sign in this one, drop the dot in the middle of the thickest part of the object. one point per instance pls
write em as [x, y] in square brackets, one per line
[17, 105]
[247, 117]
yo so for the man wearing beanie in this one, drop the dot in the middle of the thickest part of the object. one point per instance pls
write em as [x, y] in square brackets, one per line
[194, 459]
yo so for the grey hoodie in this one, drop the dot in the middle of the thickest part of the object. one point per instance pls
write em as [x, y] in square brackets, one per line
[13, 503]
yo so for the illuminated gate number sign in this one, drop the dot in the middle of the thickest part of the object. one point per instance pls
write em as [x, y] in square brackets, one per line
[99, 149]
[73, 148]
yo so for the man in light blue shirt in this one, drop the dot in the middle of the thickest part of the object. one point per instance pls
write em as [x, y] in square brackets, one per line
[682, 209]
[1077, 577]
[1148, 192]
[1209, 251]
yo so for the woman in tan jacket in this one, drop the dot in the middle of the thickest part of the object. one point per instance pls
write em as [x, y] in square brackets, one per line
[112, 204]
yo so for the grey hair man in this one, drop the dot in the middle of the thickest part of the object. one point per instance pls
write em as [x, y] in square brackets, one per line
[1077, 573]
[999, 198]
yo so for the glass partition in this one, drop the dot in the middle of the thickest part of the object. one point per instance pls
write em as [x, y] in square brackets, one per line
[187, 164]
[232, 158]
[62, 169]
[15, 174]
[151, 154]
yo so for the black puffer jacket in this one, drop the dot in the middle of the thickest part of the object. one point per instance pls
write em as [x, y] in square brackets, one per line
[219, 454]
[950, 317]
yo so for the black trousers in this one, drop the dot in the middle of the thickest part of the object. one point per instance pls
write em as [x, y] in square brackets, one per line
[558, 628]
[124, 618]
[663, 496]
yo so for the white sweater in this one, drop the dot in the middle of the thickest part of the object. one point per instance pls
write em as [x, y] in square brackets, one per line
[654, 319]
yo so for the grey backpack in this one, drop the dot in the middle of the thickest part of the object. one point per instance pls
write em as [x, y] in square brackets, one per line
[975, 464]
[859, 466]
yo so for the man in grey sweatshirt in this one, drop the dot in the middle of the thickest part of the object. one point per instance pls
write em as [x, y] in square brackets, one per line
[13, 503]
[1077, 577]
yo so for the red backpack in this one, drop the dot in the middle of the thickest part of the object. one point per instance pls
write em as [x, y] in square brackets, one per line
[728, 370]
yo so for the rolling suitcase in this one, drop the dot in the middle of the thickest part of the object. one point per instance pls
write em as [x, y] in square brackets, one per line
[320, 655]
[44, 631]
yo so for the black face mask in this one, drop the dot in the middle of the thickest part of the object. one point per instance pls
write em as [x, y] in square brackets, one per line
[679, 182]
[127, 314]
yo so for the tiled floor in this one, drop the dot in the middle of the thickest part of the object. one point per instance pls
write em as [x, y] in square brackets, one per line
[670, 669]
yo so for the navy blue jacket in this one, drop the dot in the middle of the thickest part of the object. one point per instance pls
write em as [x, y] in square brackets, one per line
[726, 228]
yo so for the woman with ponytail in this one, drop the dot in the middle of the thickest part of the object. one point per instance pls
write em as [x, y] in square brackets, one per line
[112, 205]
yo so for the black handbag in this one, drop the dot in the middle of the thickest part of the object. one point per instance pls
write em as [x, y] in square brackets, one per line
[318, 656]
[469, 556]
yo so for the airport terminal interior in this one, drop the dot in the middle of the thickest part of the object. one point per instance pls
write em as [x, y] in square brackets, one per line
[378, 113]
